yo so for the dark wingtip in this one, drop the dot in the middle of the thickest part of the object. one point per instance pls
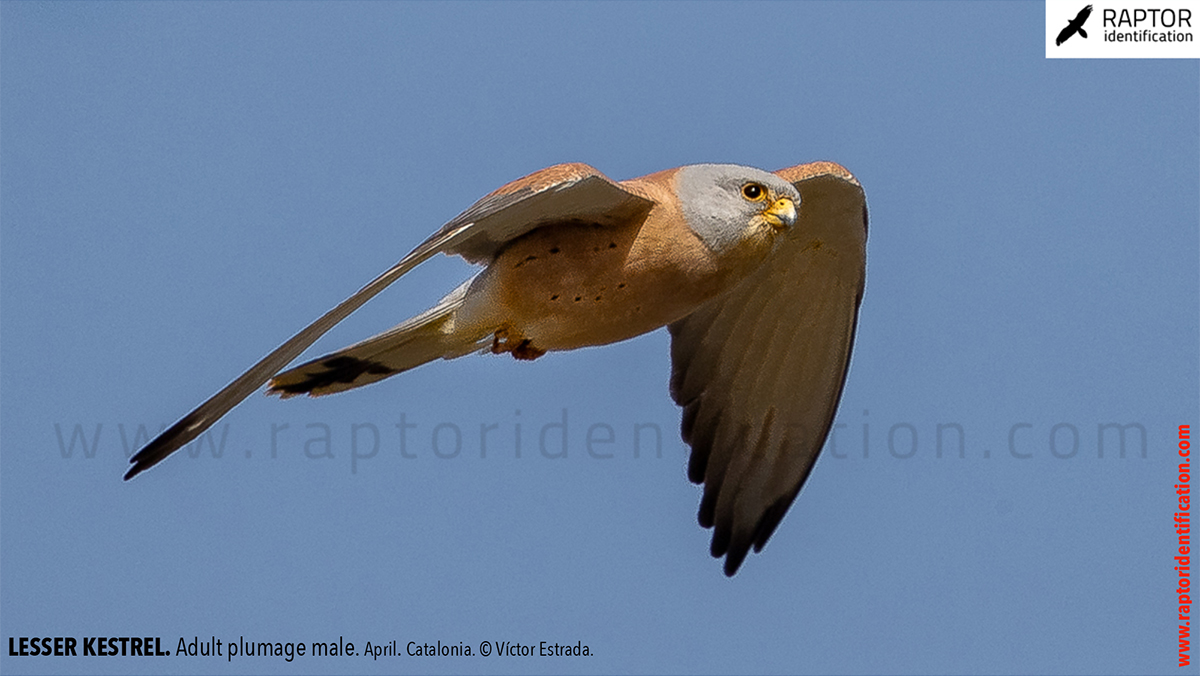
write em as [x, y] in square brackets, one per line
[146, 458]
[167, 442]
[733, 561]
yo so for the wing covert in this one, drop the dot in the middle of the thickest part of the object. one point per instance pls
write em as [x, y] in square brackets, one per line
[563, 192]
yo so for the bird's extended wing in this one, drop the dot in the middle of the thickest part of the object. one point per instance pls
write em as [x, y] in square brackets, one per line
[759, 370]
[1064, 34]
[560, 192]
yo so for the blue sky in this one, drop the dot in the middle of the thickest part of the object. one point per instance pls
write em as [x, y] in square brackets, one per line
[185, 185]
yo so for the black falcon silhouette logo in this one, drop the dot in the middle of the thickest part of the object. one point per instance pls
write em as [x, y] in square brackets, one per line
[1075, 26]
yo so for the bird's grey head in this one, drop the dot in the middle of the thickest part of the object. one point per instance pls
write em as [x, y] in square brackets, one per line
[726, 203]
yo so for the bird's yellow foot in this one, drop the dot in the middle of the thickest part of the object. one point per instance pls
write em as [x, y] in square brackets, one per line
[521, 347]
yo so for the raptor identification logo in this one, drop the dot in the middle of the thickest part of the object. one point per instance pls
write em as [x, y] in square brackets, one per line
[1137, 29]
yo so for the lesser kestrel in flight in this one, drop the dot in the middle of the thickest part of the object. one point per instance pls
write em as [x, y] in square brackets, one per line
[757, 275]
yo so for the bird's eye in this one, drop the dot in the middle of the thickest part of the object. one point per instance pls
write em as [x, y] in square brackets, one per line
[754, 192]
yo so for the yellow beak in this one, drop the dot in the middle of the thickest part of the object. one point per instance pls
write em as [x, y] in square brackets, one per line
[781, 214]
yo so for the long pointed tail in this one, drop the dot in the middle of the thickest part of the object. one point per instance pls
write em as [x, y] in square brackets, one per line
[428, 336]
